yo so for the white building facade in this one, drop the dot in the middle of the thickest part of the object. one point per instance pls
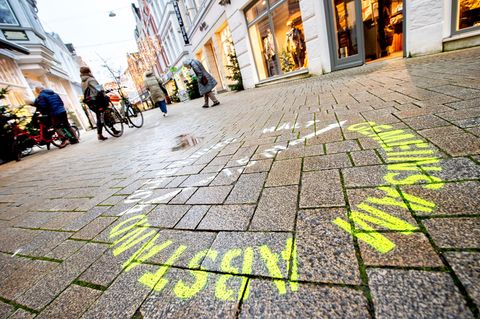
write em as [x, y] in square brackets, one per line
[49, 61]
[274, 39]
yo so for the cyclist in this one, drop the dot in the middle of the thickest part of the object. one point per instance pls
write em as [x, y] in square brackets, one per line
[49, 103]
[94, 98]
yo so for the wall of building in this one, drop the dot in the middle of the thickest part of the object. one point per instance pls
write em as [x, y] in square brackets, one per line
[425, 26]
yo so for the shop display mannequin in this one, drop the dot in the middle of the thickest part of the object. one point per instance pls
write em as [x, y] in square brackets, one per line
[296, 45]
[269, 53]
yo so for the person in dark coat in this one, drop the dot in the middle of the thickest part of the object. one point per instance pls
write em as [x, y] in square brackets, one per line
[49, 103]
[206, 82]
[88, 81]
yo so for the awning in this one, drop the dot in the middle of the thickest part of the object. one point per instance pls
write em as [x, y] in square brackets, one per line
[4, 44]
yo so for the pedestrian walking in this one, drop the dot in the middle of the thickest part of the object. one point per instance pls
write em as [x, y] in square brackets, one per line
[206, 82]
[94, 97]
[157, 91]
[49, 103]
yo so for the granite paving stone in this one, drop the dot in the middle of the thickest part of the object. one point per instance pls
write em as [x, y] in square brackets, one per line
[23, 278]
[123, 297]
[71, 303]
[415, 294]
[203, 304]
[342, 147]
[227, 217]
[276, 209]
[363, 158]
[366, 176]
[316, 163]
[167, 215]
[366, 200]
[65, 249]
[22, 314]
[255, 243]
[285, 172]
[247, 189]
[42, 293]
[186, 244]
[467, 267]
[184, 195]
[325, 252]
[227, 176]
[411, 250]
[210, 195]
[258, 166]
[317, 302]
[327, 194]
[198, 180]
[454, 232]
[6, 310]
[94, 228]
[451, 199]
[193, 217]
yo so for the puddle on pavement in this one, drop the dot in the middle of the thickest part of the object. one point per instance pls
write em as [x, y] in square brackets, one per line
[185, 141]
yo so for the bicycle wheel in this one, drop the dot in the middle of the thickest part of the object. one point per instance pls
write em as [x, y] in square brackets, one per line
[134, 115]
[77, 131]
[113, 122]
[56, 139]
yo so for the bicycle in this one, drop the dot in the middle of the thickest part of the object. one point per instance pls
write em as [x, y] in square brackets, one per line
[129, 114]
[36, 133]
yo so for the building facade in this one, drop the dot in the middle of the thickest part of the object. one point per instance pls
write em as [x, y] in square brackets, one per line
[49, 61]
[274, 39]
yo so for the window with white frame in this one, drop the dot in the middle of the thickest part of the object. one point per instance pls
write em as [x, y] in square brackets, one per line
[7, 17]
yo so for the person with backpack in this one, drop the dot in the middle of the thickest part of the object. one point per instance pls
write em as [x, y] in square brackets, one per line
[206, 82]
[94, 97]
[158, 93]
[49, 103]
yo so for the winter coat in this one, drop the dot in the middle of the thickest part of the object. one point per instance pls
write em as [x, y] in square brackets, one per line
[49, 103]
[201, 72]
[153, 86]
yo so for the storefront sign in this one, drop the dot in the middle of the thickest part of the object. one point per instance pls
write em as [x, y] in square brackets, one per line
[15, 35]
[180, 23]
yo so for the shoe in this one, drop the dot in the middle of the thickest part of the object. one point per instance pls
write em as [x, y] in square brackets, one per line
[102, 138]
[205, 106]
[64, 143]
[74, 141]
[216, 103]
[164, 114]
[115, 131]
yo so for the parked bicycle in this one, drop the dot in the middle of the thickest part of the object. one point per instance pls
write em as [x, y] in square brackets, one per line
[129, 114]
[36, 133]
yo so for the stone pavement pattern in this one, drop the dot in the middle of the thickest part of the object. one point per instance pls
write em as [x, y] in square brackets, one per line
[257, 219]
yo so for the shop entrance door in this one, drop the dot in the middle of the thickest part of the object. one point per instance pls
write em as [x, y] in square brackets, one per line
[382, 28]
[364, 30]
[345, 33]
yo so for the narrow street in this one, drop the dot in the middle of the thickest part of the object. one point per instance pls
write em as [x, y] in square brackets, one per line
[349, 195]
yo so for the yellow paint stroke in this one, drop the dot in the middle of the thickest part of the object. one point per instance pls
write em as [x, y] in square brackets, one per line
[185, 291]
[155, 280]
[222, 292]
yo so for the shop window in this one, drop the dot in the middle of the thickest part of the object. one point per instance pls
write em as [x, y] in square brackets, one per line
[277, 39]
[466, 14]
[6, 14]
[256, 10]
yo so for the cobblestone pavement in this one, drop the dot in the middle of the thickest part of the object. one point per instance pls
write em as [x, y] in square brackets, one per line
[351, 195]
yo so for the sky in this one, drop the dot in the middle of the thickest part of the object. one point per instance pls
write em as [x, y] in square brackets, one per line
[87, 25]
